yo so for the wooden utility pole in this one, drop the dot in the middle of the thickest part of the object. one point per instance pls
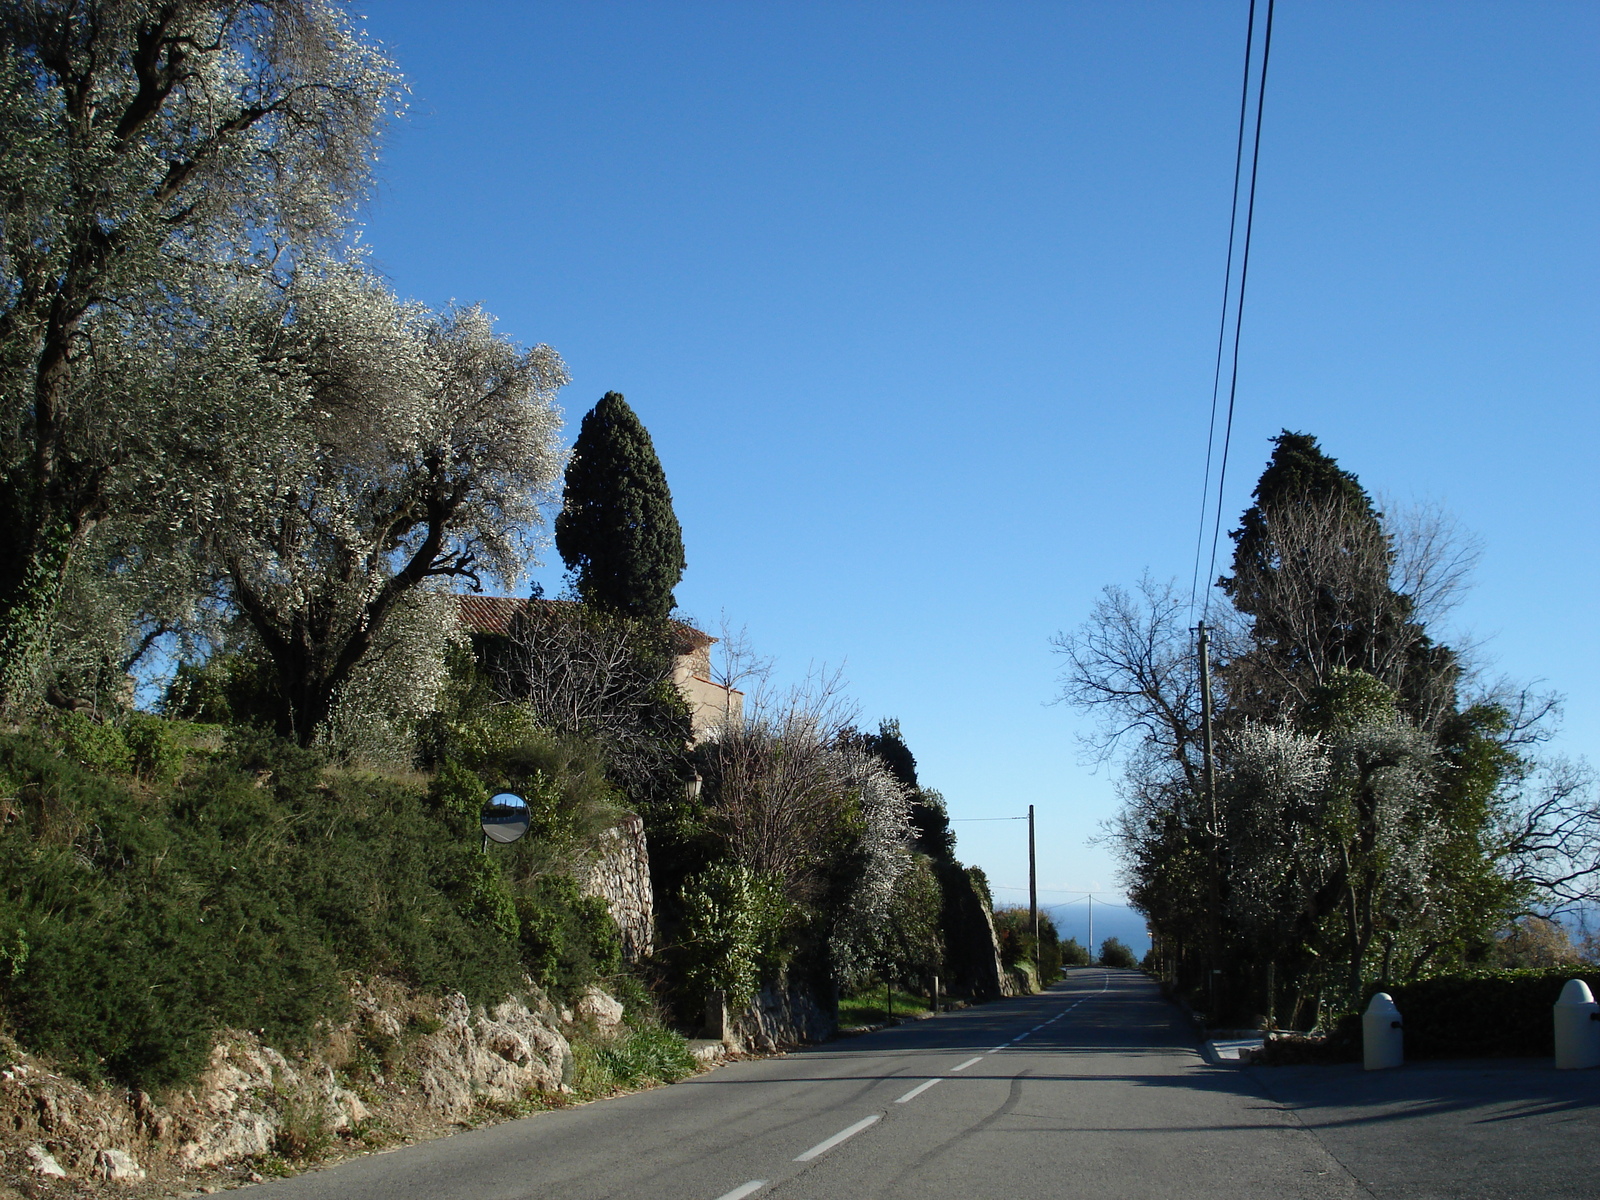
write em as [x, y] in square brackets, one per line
[1033, 883]
[1205, 725]
[1214, 829]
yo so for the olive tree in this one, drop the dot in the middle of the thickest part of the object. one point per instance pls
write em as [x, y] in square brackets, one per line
[376, 448]
[147, 147]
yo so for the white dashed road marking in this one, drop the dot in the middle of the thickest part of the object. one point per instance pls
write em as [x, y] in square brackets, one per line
[843, 1135]
[916, 1091]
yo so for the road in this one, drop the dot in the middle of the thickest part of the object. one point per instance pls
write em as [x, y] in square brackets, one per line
[1093, 1089]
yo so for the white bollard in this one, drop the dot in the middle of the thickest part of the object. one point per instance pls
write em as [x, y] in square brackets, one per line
[1577, 1028]
[1382, 1039]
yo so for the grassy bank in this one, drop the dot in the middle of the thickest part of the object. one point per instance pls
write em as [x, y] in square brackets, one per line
[873, 1007]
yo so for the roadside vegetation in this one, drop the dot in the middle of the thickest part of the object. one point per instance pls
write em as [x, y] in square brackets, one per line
[246, 734]
[1382, 814]
[874, 1005]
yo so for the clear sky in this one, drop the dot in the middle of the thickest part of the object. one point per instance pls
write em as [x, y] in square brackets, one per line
[919, 303]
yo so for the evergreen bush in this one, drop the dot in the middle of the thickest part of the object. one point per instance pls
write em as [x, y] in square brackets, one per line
[1073, 953]
[567, 939]
[136, 920]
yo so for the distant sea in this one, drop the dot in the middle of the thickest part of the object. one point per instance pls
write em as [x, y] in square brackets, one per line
[1072, 920]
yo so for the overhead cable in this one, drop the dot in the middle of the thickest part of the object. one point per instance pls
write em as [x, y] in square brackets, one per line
[1233, 299]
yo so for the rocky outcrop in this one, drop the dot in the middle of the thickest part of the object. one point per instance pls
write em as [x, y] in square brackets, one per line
[60, 1127]
[1021, 979]
[246, 1097]
[599, 1009]
[620, 875]
[972, 949]
[440, 1060]
[499, 1056]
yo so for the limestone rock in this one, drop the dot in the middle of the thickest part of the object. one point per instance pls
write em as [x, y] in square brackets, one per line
[247, 1092]
[57, 1113]
[234, 1111]
[118, 1166]
[708, 1052]
[604, 1011]
[247, 1135]
[42, 1162]
[500, 1055]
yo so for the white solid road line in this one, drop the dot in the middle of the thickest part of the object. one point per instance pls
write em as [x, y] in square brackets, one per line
[843, 1135]
[916, 1091]
[997, 1049]
[748, 1189]
[968, 1063]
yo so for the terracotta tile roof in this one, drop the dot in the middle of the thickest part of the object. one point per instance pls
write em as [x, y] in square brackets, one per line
[488, 614]
[496, 614]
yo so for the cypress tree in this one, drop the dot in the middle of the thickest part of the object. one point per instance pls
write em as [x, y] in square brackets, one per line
[616, 529]
[1342, 613]
[1299, 473]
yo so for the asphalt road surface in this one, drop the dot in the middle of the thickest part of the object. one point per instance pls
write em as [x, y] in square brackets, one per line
[1093, 1089]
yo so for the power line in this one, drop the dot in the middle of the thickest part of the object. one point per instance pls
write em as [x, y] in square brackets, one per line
[1238, 314]
[1244, 277]
[1227, 295]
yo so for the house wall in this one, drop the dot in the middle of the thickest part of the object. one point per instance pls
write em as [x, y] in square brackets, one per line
[711, 706]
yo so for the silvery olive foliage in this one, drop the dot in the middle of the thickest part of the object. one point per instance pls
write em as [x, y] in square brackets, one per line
[1274, 793]
[859, 941]
[1333, 839]
[371, 447]
[147, 150]
[788, 795]
[398, 681]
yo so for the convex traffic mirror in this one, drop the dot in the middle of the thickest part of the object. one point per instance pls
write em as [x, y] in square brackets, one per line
[505, 818]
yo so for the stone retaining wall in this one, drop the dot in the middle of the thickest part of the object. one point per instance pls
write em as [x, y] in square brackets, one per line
[620, 875]
[785, 1013]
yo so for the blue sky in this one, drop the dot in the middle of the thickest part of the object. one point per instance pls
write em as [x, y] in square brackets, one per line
[919, 303]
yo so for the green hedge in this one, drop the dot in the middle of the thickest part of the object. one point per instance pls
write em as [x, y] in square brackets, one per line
[1485, 1013]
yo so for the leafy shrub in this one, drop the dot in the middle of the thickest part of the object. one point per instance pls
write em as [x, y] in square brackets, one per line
[138, 923]
[731, 931]
[156, 745]
[568, 940]
[93, 744]
[912, 946]
[561, 777]
[226, 689]
[1014, 929]
[1073, 953]
[1484, 1014]
[458, 796]
[1115, 953]
[482, 895]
